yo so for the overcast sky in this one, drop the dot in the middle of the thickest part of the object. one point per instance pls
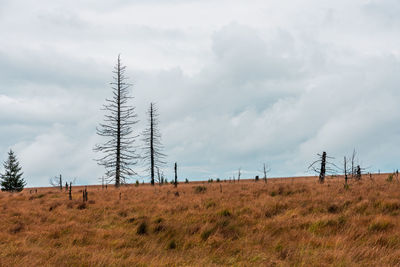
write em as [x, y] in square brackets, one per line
[238, 83]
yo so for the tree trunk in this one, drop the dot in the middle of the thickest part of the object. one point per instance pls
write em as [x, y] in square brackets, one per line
[323, 168]
[151, 144]
[176, 175]
[345, 171]
[118, 159]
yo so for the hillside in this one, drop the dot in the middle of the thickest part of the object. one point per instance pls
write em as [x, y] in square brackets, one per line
[284, 222]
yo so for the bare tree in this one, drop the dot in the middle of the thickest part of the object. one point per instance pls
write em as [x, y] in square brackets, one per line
[239, 174]
[266, 170]
[356, 169]
[56, 181]
[152, 143]
[353, 159]
[118, 151]
[345, 170]
[159, 177]
[323, 166]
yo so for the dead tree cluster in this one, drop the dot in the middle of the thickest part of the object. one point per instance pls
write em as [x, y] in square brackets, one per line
[119, 150]
[350, 170]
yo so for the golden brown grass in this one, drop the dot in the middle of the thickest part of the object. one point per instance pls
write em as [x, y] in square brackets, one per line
[286, 222]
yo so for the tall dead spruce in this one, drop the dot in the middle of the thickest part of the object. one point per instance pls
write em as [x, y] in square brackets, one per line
[152, 144]
[118, 151]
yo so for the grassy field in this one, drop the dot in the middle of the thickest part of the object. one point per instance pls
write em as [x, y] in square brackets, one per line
[284, 222]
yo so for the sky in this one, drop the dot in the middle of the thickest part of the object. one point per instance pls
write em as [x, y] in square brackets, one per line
[237, 83]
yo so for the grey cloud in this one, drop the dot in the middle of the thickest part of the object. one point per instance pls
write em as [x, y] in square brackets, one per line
[384, 11]
[237, 95]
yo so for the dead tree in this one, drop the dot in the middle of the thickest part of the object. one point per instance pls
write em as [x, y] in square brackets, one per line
[57, 182]
[353, 159]
[266, 170]
[153, 156]
[118, 152]
[323, 166]
[66, 186]
[345, 170]
[176, 175]
[159, 180]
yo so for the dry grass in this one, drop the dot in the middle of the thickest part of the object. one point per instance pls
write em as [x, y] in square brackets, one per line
[287, 222]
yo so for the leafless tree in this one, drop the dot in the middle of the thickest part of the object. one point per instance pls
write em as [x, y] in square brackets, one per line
[153, 155]
[266, 170]
[118, 151]
[353, 159]
[323, 166]
[346, 170]
[159, 176]
[56, 181]
[239, 174]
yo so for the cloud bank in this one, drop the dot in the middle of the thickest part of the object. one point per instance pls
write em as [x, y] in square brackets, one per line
[237, 84]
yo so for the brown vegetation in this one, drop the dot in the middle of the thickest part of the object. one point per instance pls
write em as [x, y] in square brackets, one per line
[285, 222]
